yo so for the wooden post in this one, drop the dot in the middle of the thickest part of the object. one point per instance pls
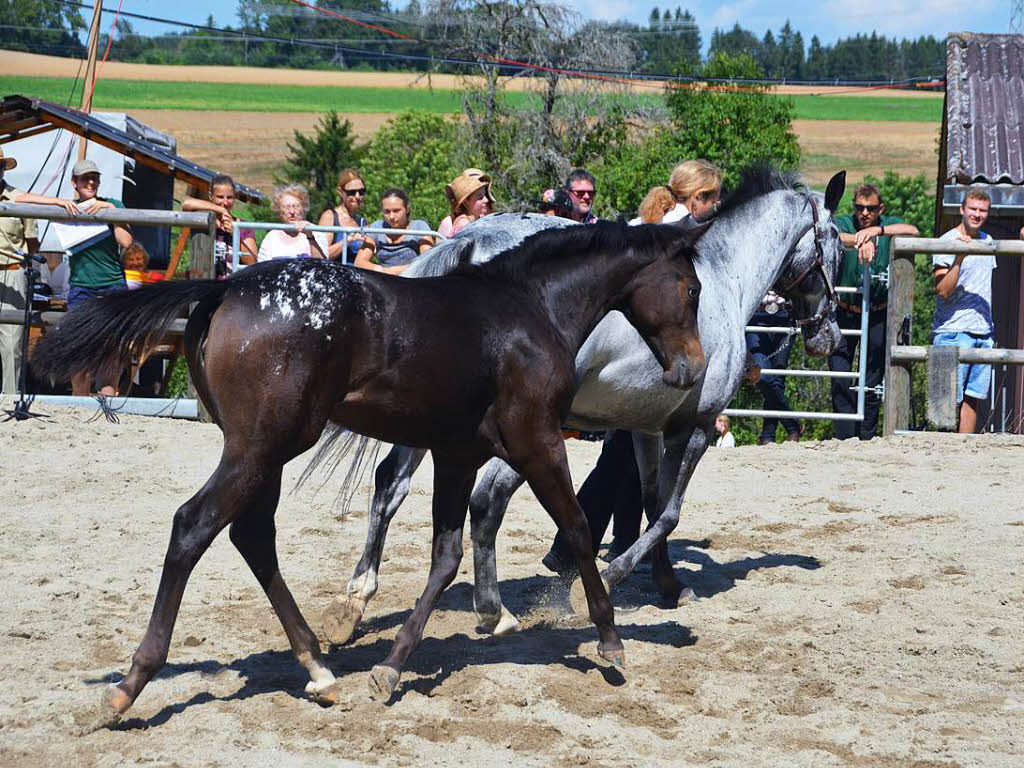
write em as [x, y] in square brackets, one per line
[897, 331]
[941, 406]
[89, 83]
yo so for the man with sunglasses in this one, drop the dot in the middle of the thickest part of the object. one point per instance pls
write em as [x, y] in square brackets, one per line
[582, 189]
[867, 237]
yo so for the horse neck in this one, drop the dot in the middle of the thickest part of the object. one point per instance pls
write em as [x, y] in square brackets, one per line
[579, 292]
[752, 246]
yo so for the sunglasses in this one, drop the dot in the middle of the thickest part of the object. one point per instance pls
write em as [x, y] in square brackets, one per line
[352, 192]
[871, 208]
[582, 192]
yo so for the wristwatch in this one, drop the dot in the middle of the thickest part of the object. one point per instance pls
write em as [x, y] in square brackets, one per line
[881, 229]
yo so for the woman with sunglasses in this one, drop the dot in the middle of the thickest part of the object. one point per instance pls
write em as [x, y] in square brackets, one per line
[352, 191]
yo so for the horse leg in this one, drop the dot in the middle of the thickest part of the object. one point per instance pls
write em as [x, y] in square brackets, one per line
[487, 508]
[391, 486]
[197, 522]
[649, 450]
[680, 460]
[546, 469]
[453, 483]
[255, 537]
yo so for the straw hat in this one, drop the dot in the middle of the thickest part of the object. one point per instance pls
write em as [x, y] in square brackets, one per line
[464, 185]
[8, 162]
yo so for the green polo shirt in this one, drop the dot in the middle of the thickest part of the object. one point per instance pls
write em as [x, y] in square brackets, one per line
[851, 272]
[99, 265]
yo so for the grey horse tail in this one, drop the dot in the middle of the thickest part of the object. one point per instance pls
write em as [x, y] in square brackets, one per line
[337, 444]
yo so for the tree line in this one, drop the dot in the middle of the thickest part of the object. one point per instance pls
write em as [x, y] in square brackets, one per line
[668, 42]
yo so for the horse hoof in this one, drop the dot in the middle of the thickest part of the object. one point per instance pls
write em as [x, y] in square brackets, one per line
[113, 704]
[616, 656]
[504, 623]
[326, 696]
[383, 681]
[341, 619]
[578, 596]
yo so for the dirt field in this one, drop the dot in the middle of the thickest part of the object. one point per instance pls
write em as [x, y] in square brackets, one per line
[859, 605]
[55, 66]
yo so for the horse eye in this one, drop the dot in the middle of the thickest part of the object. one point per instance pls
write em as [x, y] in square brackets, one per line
[693, 292]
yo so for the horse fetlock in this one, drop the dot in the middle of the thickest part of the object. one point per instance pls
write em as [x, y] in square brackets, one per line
[383, 681]
[341, 619]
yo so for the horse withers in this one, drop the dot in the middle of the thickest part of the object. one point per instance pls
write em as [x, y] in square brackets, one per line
[474, 365]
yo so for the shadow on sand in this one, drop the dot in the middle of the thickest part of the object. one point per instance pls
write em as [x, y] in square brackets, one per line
[548, 642]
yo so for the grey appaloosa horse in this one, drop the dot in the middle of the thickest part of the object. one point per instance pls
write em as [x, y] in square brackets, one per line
[770, 233]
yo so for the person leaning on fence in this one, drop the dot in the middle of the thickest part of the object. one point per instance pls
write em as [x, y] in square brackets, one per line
[17, 237]
[95, 269]
[394, 252]
[291, 204]
[485, 207]
[963, 304]
[352, 191]
[221, 202]
[867, 240]
[469, 197]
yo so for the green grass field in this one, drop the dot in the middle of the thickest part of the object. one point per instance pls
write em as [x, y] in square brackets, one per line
[136, 94]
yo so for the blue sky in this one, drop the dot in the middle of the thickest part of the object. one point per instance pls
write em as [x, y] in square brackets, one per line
[829, 19]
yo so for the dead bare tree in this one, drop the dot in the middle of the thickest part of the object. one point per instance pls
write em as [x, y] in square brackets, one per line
[533, 46]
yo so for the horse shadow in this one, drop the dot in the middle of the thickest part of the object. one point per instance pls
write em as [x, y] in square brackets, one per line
[553, 641]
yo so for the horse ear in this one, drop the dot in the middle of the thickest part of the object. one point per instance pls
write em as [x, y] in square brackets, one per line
[691, 229]
[834, 191]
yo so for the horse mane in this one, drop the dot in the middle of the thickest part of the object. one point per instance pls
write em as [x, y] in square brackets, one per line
[571, 243]
[442, 259]
[756, 181]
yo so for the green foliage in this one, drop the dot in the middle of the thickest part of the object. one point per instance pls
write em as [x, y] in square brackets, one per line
[178, 385]
[415, 151]
[317, 160]
[41, 26]
[733, 128]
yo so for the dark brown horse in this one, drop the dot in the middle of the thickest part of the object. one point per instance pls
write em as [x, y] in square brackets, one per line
[473, 365]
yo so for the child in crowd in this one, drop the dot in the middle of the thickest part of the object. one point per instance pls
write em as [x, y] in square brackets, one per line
[221, 200]
[135, 260]
[725, 436]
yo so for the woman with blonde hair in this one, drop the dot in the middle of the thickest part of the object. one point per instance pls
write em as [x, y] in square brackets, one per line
[694, 188]
[352, 191]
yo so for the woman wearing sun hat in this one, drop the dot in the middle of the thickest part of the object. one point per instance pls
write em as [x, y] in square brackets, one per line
[469, 197]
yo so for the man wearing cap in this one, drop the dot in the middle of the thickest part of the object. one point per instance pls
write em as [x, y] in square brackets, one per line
[17, 237]
[95, 269]
[867, 237]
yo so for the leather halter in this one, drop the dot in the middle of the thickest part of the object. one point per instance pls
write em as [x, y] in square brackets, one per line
[819, 265]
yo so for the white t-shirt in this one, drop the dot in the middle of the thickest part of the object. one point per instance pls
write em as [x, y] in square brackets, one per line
[678, 213]
[279, 244]
[969, 308]
[725, 441]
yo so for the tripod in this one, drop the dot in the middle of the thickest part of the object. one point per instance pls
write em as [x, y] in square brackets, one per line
[21, 410]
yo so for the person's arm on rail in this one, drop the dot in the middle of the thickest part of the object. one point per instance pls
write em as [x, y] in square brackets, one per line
[68, 205]
[336, 241]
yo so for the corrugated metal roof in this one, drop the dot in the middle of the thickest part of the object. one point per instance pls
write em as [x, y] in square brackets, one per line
[985, 108]
[21, 116]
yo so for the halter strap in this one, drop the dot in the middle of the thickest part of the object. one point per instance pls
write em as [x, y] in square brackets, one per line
[819, 265]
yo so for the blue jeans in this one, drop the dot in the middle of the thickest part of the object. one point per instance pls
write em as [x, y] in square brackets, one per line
[972, 379]
[78, 295]
[772, 350]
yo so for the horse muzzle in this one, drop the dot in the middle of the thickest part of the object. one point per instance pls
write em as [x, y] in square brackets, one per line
[683, 375]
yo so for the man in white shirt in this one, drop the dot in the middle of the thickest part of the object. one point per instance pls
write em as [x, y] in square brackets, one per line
[963, 305]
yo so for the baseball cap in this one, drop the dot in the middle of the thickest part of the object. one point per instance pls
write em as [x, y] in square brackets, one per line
[85, 166]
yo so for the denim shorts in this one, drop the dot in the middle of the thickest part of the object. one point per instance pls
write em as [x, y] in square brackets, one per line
[974, 379]
[78, 295]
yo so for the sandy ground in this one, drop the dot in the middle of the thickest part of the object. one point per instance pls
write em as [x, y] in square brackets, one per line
[859, 605]
[55, 66]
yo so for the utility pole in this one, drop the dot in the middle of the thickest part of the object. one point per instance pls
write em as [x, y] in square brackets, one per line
[90, 71]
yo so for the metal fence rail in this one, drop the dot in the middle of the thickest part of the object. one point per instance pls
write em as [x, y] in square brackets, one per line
[858, 375]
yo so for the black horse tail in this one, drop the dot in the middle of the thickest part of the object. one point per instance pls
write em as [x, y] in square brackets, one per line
[104, 331]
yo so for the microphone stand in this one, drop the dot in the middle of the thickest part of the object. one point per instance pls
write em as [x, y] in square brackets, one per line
[21, 410]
